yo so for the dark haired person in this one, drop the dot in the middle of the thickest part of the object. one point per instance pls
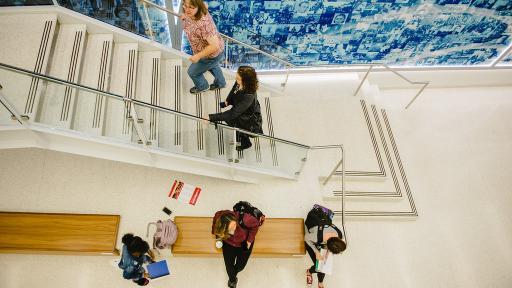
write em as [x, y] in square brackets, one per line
[245, 105]
[207, 46]
[237, 241]
[332, 241]
[132, 258]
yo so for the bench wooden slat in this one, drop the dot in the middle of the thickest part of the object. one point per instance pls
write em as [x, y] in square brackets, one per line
[58, 233]
[278, 237]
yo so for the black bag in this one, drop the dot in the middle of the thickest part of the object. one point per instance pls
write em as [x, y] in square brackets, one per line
[251, 120]
[243, 207]
[318, 218]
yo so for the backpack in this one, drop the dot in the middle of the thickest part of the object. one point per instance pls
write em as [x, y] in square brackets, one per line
[243, 207]
[320, 216]
[165, 235]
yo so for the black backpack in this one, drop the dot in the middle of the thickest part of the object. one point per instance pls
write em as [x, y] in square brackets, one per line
[243, 207]
[317, 217]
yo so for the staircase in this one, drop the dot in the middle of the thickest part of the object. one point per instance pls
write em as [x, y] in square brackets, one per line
[130, 102]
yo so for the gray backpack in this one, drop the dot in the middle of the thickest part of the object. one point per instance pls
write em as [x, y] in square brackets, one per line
[165, 235]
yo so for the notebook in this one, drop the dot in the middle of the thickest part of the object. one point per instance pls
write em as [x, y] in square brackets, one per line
[158, 269]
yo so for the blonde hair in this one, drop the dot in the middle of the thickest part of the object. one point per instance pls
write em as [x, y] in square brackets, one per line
[221, 227]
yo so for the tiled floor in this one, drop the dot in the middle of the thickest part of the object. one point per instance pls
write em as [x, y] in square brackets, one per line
[457, 162]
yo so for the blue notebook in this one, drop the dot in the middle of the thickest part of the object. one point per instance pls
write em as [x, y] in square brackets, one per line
[158, 269]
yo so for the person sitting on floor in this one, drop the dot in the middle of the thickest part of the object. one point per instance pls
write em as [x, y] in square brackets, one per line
[132, 258]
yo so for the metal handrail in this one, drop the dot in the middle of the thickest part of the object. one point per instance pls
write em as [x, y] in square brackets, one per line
[342, 164]
[288, 64]
[424, 83]
[141, 103]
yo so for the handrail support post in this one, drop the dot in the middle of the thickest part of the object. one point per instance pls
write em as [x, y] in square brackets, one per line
[362, 81]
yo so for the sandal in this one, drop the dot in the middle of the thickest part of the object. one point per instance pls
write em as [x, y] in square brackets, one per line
[309, 278]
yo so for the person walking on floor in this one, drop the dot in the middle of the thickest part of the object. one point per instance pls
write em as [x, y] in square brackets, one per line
[237, 235]
[207, 46]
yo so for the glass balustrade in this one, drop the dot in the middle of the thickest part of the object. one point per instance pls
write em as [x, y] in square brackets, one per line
[62, 107]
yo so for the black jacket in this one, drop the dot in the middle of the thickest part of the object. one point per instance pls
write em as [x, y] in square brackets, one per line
[242, 105]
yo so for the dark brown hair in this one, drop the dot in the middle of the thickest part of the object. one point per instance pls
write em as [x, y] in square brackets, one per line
[336, 245]
[221, 227]
[249, 78]
[199, 4]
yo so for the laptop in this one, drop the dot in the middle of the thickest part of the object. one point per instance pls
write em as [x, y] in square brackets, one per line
[158, 269]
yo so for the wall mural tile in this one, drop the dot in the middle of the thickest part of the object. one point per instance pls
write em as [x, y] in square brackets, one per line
[126, 14]
[402, 32]
[4, 3]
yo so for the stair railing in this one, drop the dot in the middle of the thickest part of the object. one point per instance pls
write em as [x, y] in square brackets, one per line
[423, 84]
[293, 150]
[288, 65]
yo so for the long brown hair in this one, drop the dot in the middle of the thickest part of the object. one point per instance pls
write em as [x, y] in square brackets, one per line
[221, 226]
[249, 78]
[199, 4]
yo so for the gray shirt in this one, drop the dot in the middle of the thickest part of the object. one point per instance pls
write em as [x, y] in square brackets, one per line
[310, 237]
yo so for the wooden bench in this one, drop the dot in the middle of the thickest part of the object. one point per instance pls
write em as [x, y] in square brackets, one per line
[47, 233]
[278, 237]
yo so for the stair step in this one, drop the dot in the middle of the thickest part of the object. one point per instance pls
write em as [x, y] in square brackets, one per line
[59, 100]
[90, 108]
[32, 36]
[122, 82]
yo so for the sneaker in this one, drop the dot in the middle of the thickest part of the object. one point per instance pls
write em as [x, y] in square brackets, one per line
[194, 90]
[309, 278]
[216, 86]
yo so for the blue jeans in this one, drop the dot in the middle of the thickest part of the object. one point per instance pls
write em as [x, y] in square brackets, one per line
[196, 72]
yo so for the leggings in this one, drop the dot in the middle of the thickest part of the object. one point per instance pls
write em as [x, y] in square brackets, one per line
[312, 270]
[235, 259]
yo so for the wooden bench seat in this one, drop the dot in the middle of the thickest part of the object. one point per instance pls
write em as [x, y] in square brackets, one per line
[278, 237]
[58, 233]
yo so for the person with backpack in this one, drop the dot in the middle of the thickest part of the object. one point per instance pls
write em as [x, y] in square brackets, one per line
[237, 229]
[245, 112]
[321, 233]
[134, 254]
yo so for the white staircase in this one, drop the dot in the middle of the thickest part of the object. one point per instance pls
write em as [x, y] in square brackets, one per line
[95, 55]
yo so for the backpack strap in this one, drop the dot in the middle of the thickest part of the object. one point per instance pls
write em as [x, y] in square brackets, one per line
[320, 234]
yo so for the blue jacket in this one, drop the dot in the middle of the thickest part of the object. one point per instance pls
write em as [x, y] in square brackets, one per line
[131, 265]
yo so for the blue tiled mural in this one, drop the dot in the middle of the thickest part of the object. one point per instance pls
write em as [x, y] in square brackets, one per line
[402, 32]
[126, 14]
[25, 2]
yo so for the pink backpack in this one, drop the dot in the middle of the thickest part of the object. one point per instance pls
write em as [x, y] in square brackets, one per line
[165, 235]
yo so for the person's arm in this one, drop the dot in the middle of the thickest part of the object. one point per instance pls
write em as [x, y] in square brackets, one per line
[252, 225]
[213, 46]
[246, 101]
[151, 255]
[310, 238]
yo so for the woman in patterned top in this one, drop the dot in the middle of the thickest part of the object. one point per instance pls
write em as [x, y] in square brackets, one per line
[207, 46]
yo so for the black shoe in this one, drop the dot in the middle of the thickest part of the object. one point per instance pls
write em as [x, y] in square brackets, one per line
[216, 86]
[244, 145]
[194, 90]
[233, 284]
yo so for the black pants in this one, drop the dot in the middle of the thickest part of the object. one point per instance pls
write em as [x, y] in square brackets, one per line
[235, 259]
[312, 270]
